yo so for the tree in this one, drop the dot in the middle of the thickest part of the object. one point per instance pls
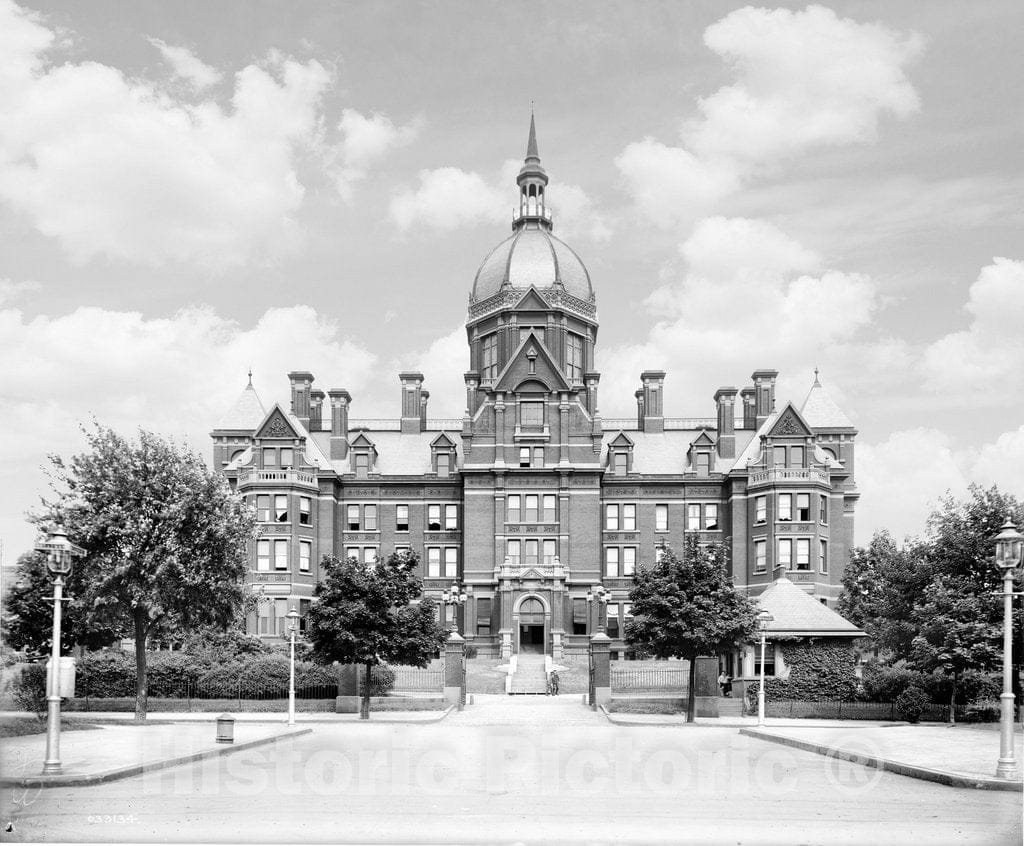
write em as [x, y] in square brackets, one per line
[685, 607]
[364, 614]
[165, 538]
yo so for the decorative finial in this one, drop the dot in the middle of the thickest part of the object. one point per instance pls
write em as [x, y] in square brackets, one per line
[531, 144]
[817, 384]
[250, 377]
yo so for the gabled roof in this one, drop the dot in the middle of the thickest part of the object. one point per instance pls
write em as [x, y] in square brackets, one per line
[820, 410]
[703, 439]
[442, 440]
[547, 370]
[796, 612]
[532, 299]
[362, 440]
[278, 424]
[621, 439]
[246, 414]
[789, 423]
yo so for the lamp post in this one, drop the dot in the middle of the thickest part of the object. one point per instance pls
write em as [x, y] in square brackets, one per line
[455, 595]
[1009, 549]
[293, 624]
[599, 594]
[60, 553]
[764, 618]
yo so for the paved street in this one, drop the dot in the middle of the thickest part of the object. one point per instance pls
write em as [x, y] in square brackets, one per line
[529, 769]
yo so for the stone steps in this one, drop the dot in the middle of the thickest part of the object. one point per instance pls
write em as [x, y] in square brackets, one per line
[529, 678]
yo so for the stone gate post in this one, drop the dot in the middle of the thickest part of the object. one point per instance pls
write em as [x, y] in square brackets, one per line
[455, 670]
[600, 669]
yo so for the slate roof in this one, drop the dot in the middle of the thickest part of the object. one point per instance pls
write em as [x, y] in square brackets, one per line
[821, 412]
[796, 612]
[398, 454]
[247, 412]
[666, 452]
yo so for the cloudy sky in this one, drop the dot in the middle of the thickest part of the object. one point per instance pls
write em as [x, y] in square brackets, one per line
[190, 190]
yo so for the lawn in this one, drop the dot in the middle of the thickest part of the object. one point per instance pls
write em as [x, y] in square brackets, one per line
[24, 726]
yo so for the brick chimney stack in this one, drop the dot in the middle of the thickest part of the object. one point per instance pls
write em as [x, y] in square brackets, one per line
[341, 400]
[301, 382]
[653, 382]
[639, 408]
[316, 410]
[412, 391]
[424, 396]
[764, 386]
[725, 403]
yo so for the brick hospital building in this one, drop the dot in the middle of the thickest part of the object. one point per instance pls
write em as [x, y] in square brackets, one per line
[532, 500]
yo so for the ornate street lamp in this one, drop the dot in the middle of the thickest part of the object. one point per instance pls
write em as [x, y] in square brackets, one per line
[763, 619]
[601, 595]
[60, 554]
[293, 625]
[454, 596]
[1009, 550]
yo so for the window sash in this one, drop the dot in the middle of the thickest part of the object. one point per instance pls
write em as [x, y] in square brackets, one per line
[287, 457]
[629, 517]
[530, 512]
[305, 553]
[451, 562]
[538, 456]
[280, 508]
[512, 551]
[611, 517]
[823, 509]
[550, 509]
[451, 518]
[803, 507]
[531, 413]
[524, 456]
[530, 550]
[785, 507]
[443, 464]
[621, 463]
[550, 552]
[352, 552]
[661, 518]
[629, 560]
[280, 554]
[263, 555]
[760, 556]
[269, 457]
[803, 554]
[693, 517]
[823, 556]
[785, 553]
[611, 562]
[305, 508]
[779, 456]
[761, 509]
[514, 508]
[711, 516]
[369, 554]
[263, 508]
[352, 521]
[370, 518]
[402, 518]
[433, 518]
[433, 562]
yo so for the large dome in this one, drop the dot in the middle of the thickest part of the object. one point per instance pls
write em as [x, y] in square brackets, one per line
[532, 256]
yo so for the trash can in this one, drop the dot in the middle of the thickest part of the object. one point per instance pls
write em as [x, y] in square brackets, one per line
[225, 729]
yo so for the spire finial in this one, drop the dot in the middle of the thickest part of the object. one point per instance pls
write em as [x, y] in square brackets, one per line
[817, 384]
[250, 377]
[531, 145]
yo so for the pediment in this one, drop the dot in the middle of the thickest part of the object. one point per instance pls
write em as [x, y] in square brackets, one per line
[361, 440]
[703, 439]
[532, 301]
[442, 440]
[531, 362]
[532, 573]
[790, 424]
[277, 425]
[621, 440]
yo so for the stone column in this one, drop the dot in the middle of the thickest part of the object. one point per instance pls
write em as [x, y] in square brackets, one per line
[706, 700]
[348, 689]
[454, 670]
[600, 656]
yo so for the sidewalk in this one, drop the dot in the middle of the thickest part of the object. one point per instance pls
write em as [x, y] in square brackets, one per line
[958, 756]
[93, 756]
[260, 717]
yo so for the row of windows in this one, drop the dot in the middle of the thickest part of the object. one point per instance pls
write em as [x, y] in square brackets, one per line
[620, 462]
[531, 551]
[278, 457]
[361, 463]
[272, 616]
[365, 518]
[699, 516]
[273, 508]
[573, 364]
[531, 508]
[787, 548]
[276, 551]
[619, 561]
[786, 511]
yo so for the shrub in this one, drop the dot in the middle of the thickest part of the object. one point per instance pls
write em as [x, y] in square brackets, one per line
[314, 681]
[212, 646]
[912, 703]
[266, 675]
[883, 683]
[471, 650]
[221, 680]
[171, 674]
[981, 712]
[382, 680]
[303, 651]
[105, 675]
[29, 689]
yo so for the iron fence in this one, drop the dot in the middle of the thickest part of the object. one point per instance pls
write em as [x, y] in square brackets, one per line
[430, 679]
[631, 679]
[848, 709]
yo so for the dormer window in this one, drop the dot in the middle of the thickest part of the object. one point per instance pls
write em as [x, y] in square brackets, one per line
[531, 414]
[362, 464]
[621, 463]
[443, 464]
[702, 463]
[269, 457]
[287, 457]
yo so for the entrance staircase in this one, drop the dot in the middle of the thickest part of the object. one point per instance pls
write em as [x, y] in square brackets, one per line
[530, 676]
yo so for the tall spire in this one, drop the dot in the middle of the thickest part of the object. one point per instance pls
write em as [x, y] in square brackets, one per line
[531, 145]
[532, 182]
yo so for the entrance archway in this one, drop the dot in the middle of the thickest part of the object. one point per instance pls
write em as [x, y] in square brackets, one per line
[531, 625]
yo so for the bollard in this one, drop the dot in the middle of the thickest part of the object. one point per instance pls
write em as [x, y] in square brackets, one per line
[225, 729]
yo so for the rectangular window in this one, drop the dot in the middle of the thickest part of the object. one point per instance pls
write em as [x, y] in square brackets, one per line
[352, 552]
[779, 456]
[611, 517]
[627, 610]
[530, 552]
[269, 457]
[538, 456]
[281, 508]
[785, 507]
[530, 511]
[280, 554]
[659, 553]
[443, 464]
[550, 552]
[483, 616]
[451, 562]
[402, 548]
[823, 510]
[769, 660]
[531, 414]
[803, 554]
[621, 463]
[433, 562]
[796, 456]
[786, 553]
[693, 517]
[303, 613]
[550, 512]
[362, 464]
[803, 507]
[305, 553]
[305, 514]
[711, 516]
[265, 617]
[579, 616]
[760, 556]
[370, 518]
[514, 505]
[629, 518]
[287, 457]
[613, 619]
[451, 518]
[760, 509]
[369, 554]
[401, 518]
[512, 550]
[489, 364]
[611, 562]
[353, 518]
[280, 616]
[263, 555]
[703, 463]
[263, 508]
[433, 518]
[629, 560]
[574, 359]
[524, 456]
[661, 518]
[822, 556]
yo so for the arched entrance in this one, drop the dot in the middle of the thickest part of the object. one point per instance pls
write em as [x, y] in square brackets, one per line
[531, 622]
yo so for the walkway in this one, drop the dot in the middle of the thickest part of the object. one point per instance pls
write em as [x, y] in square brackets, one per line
[540, 711]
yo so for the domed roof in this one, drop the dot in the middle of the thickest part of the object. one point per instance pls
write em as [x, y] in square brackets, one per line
[532, 256]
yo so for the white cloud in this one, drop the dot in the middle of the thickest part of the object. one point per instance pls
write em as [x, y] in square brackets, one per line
[114, 167]
[11, 290]
[984, 363]
[803, 80]
[187, 65]
[366, 140]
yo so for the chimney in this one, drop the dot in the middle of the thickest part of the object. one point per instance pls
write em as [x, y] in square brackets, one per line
[316, 410]
[764, 385]
[301, 383]
[424, 396]
[412, 389]
[340, 402]
[653, 385]
[725, 402]
[639, 408]
[749, 408]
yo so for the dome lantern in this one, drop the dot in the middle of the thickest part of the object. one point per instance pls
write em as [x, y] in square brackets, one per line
[532, 181]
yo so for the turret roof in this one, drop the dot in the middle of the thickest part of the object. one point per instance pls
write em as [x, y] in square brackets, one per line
[820, 410]
[246, 413]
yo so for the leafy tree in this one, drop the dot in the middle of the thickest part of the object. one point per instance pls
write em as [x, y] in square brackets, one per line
[28, 611]
[364, 615]
[685, 607]
[165, 538]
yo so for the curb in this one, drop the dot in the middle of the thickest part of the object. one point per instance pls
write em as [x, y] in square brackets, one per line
[911, 770]
[375, 717]
[146, 766]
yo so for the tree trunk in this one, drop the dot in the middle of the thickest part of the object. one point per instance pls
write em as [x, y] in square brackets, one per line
[691, 691]
[952, 703]
[364, 706]
[141, 625]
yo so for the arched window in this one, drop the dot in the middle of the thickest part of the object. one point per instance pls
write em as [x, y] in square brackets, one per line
[531, 606]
